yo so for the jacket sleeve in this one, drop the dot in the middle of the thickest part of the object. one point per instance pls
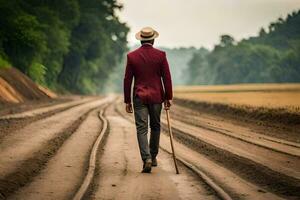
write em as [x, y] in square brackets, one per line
[128, 81]
[166, 77]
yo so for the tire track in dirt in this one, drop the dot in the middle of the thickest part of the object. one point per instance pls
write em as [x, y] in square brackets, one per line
[206, 190]
[86, 183]
[237, 167]
[9, 124]
[33, 158]
[263, 176]
[282, 163]
[66, 170]
[237, 132]
[260, 172]
[32, 166]
[275, 130]
[13, 108]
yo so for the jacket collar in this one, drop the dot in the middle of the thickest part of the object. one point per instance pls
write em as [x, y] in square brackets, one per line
[147, 45]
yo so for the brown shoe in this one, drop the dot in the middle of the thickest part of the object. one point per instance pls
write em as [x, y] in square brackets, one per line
[154, 162]
[147, 166]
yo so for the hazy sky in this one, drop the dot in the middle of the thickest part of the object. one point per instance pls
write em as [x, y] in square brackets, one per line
[201, 22]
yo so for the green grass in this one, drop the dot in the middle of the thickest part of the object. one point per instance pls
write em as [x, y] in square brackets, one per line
[4, 63]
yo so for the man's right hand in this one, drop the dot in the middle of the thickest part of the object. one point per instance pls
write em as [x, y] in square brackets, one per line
[128, 107]
[167, 104]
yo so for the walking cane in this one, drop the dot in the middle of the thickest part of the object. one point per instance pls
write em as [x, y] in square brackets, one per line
[171, 140]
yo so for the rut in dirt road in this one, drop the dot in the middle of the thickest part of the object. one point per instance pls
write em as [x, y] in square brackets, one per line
[119, 170]
[13, 122]
[37, 143]
[238, 179]
[252, 134]
[64, 172]
[269, 168]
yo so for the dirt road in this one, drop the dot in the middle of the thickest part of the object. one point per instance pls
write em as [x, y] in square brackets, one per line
[87, 149]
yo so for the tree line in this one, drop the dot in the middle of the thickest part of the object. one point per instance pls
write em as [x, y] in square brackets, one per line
[272, 56]
[64, 44]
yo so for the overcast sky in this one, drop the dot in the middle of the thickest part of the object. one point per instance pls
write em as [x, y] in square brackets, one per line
[201, 22]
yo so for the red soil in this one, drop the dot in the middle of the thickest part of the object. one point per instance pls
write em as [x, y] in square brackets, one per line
[16, 87]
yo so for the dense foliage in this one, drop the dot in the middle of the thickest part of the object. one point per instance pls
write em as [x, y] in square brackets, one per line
[272, 56]
[68, 44]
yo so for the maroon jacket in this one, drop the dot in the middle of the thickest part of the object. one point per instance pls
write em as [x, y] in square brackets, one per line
[150, 69]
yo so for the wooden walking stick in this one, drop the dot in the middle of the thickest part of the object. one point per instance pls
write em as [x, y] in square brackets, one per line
[171, 140]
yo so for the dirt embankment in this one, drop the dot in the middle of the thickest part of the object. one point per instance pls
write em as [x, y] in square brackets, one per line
[15, 87]
[276, 117]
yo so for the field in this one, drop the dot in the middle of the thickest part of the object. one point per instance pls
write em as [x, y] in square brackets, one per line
[285, 96]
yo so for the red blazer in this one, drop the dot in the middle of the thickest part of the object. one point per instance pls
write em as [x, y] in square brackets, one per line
[152, 78]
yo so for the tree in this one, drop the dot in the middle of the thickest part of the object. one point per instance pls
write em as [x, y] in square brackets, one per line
[226, 40]
[272, 56]
[22, 39]
[97, 44]
[70, 44]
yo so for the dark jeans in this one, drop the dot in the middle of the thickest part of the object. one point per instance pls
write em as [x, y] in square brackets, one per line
[142, 112]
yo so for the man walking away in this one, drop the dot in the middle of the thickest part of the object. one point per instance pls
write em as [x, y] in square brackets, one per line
[152, 87]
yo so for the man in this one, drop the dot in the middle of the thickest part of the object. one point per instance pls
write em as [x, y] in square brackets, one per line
[152, 87]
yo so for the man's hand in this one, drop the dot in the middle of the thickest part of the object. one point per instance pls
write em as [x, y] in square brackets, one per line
[167, 104]
[128, 107]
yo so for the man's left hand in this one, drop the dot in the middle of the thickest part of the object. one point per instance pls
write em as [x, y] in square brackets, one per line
[167, 104]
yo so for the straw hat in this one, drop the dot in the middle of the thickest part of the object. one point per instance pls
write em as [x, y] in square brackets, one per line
[147, 33]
